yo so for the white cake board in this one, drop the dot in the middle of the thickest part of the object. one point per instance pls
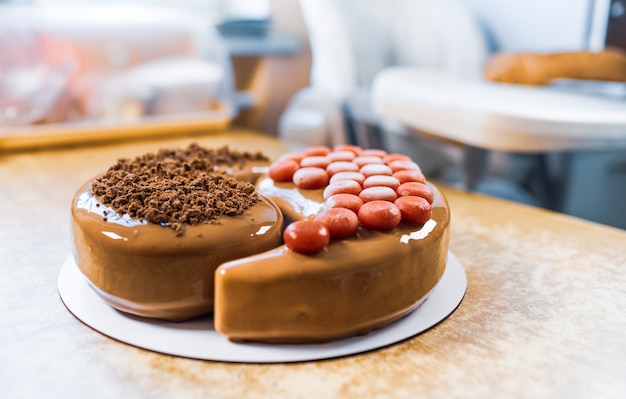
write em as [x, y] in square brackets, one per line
[198, 340]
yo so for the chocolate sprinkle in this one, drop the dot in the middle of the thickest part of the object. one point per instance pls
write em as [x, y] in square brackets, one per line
[175, 188]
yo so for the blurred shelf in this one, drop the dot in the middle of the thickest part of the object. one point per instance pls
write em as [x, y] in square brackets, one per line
[88, 132]
[262, 45]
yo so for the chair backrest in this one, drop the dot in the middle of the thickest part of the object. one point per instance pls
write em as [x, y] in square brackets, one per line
[351, 41]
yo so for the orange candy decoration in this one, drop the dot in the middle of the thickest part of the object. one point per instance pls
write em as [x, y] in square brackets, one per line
[341, 222]
[380, 215]
[361, 186]
[306, 236]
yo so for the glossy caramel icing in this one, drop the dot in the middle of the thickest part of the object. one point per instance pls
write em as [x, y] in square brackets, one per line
[148, 270]
[353, 286]
[238, 267]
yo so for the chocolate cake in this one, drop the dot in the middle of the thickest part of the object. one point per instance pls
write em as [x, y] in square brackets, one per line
[182, 233]
[149, 232]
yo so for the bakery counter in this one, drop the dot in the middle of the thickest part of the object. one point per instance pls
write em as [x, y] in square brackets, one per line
[542, 316]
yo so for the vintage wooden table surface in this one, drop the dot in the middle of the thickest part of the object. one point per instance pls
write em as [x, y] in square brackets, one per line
[543, 315]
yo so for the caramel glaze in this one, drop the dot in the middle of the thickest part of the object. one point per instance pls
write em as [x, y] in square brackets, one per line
[352, 287]
[147, 270]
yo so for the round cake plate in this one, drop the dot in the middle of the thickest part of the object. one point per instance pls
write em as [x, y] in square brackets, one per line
[198, 340]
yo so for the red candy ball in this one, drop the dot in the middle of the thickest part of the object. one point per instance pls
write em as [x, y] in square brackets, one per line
[355, 149]
[317, 150]
[282, 171]
[403, 165]
[316, 161]
[374, 152]
[410, 175]
[348, 201]
[373, 169]
[356, 176]
[296, 156]
[415, 210]
[369, 160]
[342, 186]
[389, 158]
[306, 236]
[381, 180]
[378, 193]
[310, 178]
[341, 156]
[416, 189]
[379, 215]
[341, 166]
[341, 222]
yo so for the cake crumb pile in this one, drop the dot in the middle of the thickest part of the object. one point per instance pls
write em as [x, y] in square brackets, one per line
[175, 187]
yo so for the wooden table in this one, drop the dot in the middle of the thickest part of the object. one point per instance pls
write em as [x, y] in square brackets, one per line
[543, 316]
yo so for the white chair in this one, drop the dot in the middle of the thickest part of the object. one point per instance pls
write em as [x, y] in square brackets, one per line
[352, 41]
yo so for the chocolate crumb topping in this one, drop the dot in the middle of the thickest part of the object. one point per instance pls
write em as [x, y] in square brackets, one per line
[178, 187]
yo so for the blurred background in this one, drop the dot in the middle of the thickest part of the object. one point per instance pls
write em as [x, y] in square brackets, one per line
[403, 75]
